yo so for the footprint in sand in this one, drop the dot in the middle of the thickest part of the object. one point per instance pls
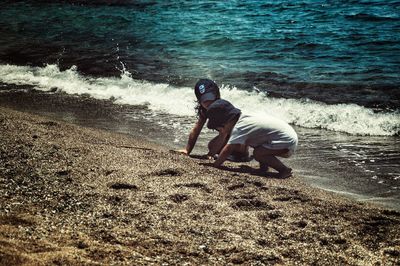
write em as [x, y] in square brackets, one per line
[166, 172]
[236, 186]
[195, 185]
[179, 198]
[119, 185]
[290, 195]
[63, 172]
[49, 123]
[270, 215]
[251, 205]
[291, 198]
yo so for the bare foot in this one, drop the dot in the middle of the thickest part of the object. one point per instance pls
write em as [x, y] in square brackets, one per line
[263, 168]
[285, 173]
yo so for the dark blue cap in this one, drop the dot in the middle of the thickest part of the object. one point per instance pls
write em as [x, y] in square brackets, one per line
[206, 90]
[220, 112]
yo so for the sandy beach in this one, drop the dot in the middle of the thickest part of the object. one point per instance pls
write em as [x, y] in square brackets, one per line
[72, 195]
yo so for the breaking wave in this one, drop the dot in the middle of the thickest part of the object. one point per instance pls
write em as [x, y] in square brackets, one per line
[349, 118]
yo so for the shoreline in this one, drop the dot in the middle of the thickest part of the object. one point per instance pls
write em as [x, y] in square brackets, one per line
[74, 195]
[355, 161]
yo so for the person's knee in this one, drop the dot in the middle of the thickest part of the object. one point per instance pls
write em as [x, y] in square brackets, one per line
[261, 157]
[215, 142]
[243, 149]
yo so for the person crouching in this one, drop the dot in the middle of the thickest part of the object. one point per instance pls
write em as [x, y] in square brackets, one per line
[269, 136]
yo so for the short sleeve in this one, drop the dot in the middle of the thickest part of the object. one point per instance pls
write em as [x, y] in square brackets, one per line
[237, 137]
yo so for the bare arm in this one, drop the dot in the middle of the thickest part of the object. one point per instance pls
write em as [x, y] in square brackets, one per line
[216, 145]
[224, 133]
[226, 151]
[194, 134]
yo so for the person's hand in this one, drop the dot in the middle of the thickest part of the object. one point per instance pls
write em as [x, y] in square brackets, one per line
[217, 165]
[212, 157]
[182, 151]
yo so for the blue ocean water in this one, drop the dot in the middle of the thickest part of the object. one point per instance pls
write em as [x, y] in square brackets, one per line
[330, 51]
[329, 68]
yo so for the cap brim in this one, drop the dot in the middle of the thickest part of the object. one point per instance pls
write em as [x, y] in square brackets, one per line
[208, 97]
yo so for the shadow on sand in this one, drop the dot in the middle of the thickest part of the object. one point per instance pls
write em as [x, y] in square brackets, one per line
[245, 169]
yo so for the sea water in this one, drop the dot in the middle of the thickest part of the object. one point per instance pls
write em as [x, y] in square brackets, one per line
[329, 68]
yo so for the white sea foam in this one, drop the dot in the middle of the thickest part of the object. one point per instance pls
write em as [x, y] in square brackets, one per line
[349, 118]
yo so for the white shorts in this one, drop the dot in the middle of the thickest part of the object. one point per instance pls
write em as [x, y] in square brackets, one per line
[291, 149]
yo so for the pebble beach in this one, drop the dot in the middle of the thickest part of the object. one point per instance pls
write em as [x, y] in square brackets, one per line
[72, 195]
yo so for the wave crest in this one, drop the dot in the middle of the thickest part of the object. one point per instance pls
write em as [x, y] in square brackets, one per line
[348, 118]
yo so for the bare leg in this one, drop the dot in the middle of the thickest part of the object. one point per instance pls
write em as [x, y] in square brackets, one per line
[268, 157]
[241, 151]
[216, 144]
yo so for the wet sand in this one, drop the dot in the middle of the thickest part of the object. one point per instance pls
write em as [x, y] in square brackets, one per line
[74, 195]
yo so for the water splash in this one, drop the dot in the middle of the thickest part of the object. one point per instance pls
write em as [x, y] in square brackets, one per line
[161, 97]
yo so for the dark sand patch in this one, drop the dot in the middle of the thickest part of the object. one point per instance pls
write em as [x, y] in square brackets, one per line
[120, 185]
